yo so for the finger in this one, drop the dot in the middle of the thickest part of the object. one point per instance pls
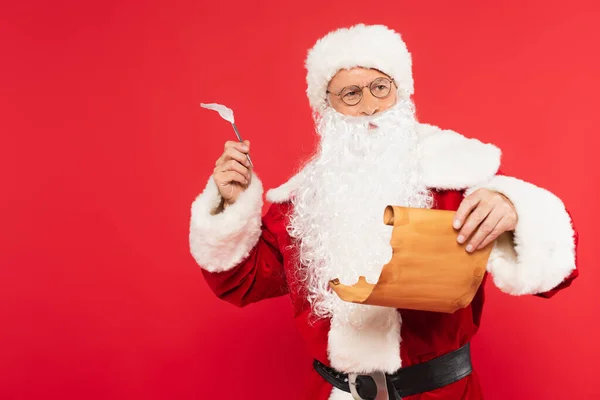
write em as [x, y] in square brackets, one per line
[233, 165]
[219, 161]
[231, 176]
[234, 154]
[487, 228]
[242, 147]
[466, 206]
[503, 226]
[473, 220]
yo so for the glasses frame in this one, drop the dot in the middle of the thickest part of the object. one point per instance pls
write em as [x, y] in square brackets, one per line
[360, 90]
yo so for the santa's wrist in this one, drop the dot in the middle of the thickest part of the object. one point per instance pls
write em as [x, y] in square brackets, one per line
[514, 209]
[223, 204]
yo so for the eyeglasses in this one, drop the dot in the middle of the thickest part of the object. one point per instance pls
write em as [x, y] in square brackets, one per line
[352, 95]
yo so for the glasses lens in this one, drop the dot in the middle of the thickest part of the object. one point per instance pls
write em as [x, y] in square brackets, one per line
[351, 95]
[381, 87]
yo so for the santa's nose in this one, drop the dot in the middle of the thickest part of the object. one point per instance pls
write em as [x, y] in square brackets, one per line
[369, 105]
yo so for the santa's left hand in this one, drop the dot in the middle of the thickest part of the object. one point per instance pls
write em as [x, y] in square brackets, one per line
[483, 216]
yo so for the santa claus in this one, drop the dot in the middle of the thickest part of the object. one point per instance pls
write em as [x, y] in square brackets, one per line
[326, 223]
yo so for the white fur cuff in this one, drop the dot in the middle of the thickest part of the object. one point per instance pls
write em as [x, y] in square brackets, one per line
[542, 253]
[220, 242]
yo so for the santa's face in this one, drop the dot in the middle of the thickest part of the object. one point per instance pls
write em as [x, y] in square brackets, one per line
[361, 92]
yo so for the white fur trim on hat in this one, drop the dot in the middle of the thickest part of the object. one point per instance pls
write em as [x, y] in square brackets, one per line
[367, 46]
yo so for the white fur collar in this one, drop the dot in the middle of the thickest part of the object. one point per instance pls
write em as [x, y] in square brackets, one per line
[449, 161]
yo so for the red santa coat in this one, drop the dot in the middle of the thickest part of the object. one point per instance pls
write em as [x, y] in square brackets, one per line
[246, 258]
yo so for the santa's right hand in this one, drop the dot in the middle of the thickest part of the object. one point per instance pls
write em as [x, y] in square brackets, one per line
[232, 171]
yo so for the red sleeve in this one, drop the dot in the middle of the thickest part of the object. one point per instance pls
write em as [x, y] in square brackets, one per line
[261, 274]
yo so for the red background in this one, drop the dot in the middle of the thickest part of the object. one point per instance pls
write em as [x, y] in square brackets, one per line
[104, 147]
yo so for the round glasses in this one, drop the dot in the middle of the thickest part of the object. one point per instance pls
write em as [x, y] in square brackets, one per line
[352, 95]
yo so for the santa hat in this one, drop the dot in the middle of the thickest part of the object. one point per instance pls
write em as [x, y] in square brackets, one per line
[367, 46]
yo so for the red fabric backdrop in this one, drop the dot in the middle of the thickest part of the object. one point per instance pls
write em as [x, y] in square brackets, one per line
[104, 147]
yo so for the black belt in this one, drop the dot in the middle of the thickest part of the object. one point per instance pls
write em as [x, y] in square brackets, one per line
[418, 378]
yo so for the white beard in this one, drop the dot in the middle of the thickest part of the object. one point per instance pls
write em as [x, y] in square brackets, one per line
[338, 212]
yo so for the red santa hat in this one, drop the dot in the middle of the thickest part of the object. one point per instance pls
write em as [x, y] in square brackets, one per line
[367, 46]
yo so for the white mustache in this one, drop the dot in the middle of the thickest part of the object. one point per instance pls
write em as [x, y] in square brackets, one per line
[380, 117]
